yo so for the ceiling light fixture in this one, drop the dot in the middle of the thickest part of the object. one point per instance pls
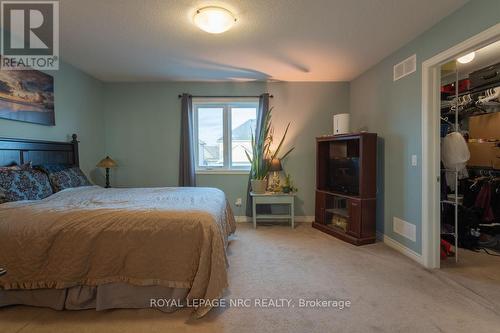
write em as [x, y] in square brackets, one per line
[467, 58]
[213, 19]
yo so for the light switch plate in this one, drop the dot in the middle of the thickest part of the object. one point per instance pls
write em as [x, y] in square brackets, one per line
[413, 160]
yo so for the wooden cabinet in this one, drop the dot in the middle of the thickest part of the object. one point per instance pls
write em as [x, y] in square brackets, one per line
[355, 218]
[320, 207]
[346, 187]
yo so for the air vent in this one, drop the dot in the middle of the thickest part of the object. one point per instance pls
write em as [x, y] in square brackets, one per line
[405, 67]
[404, 228]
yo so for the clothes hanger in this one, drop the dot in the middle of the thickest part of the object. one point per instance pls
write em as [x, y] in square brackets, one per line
[475, 182]
[491, 94]
[445, 119]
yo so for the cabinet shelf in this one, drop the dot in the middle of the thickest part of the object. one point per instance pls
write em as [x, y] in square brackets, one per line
[340, 194]
[338, 211]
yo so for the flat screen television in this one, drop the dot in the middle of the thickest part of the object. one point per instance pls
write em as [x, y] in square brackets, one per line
[344, 175]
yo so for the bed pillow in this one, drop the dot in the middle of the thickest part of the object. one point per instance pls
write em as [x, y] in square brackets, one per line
[2, 169]
[67, 178]
[14, 166]
[16, 185]
[11, 167]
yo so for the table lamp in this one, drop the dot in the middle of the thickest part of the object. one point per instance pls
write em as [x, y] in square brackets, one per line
[275, 167]
[107, 163]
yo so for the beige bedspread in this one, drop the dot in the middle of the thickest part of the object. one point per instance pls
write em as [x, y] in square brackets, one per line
[172, 237]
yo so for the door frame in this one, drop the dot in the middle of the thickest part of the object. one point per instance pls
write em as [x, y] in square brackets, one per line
[431, 104]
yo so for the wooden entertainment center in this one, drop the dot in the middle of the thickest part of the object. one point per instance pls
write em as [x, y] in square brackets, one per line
[346, 186]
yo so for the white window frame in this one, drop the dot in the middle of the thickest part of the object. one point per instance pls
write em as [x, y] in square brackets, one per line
[226, 104]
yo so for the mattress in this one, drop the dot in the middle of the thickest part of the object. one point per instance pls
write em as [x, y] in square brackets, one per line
[173, 238]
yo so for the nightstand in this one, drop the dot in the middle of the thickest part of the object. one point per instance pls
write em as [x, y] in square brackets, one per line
[271, 198]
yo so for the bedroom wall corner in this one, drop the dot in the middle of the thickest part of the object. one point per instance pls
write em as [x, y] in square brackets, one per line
[78, 109]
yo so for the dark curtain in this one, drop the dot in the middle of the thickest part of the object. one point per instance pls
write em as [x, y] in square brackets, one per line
[261, 115]
[187, 176]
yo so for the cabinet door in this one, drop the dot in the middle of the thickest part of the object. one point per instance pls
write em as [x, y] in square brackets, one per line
[354, 227]
[320, 207]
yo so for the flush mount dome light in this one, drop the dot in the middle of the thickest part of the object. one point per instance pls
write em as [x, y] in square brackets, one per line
[467, 58]
[214, 20]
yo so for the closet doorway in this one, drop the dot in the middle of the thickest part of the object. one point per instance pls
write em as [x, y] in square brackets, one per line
[453, 103]
[470, 160]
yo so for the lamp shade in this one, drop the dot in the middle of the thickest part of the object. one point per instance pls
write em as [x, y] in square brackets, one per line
[275, 165]
[107, 163]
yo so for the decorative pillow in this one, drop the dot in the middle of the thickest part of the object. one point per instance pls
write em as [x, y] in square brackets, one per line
[26, 166]
[2, 169]
[71, 177]
[11, 167]
[16, 185]
[14, 166]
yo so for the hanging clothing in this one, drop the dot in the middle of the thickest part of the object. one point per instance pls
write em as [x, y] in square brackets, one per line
[454, 155]
[483, 201]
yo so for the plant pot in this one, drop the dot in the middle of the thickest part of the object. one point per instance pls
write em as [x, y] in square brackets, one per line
[258, 185]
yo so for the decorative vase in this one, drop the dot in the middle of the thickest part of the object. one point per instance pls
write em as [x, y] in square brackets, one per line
[286, 189]
[258, 186]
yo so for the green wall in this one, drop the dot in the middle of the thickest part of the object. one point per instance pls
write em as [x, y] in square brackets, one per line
[138, 124]
[78, 109]
[393, 110]
[143, 131]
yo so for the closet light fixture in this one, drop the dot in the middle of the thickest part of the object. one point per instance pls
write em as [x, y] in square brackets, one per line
[467, 58]
[213, 19]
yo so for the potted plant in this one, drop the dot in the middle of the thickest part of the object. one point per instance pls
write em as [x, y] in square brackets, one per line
[288, 185]
[261, 155]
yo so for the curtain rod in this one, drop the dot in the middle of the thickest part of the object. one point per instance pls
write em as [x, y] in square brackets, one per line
[271, 96]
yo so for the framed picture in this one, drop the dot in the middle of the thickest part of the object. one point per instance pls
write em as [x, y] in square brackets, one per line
[27, 95]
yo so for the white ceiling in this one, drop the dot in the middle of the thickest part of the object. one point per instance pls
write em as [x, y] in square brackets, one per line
[485, 56]
[289, 40]
[488, 55]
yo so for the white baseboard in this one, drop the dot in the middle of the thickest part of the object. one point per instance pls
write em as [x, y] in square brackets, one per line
[305, 218]
[400, 248]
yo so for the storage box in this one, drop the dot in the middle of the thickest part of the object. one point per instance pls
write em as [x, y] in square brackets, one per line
[339, 222]
[496, 160]
[485, 126]
[484, 154]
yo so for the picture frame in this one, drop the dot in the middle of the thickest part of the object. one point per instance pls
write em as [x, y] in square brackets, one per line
[27, 96]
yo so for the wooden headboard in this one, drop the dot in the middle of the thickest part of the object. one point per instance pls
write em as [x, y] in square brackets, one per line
[19, 151]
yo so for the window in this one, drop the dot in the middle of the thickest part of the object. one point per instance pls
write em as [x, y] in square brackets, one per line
[223, 131]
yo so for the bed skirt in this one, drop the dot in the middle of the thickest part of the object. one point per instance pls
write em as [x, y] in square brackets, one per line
[102, 297]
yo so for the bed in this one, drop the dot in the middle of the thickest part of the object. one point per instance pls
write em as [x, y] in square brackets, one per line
[90, 247]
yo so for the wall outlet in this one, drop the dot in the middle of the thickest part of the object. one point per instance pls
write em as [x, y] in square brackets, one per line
[404, 229]
[238, 202]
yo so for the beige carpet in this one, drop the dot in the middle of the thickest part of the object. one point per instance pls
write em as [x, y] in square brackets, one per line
[389, 293]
